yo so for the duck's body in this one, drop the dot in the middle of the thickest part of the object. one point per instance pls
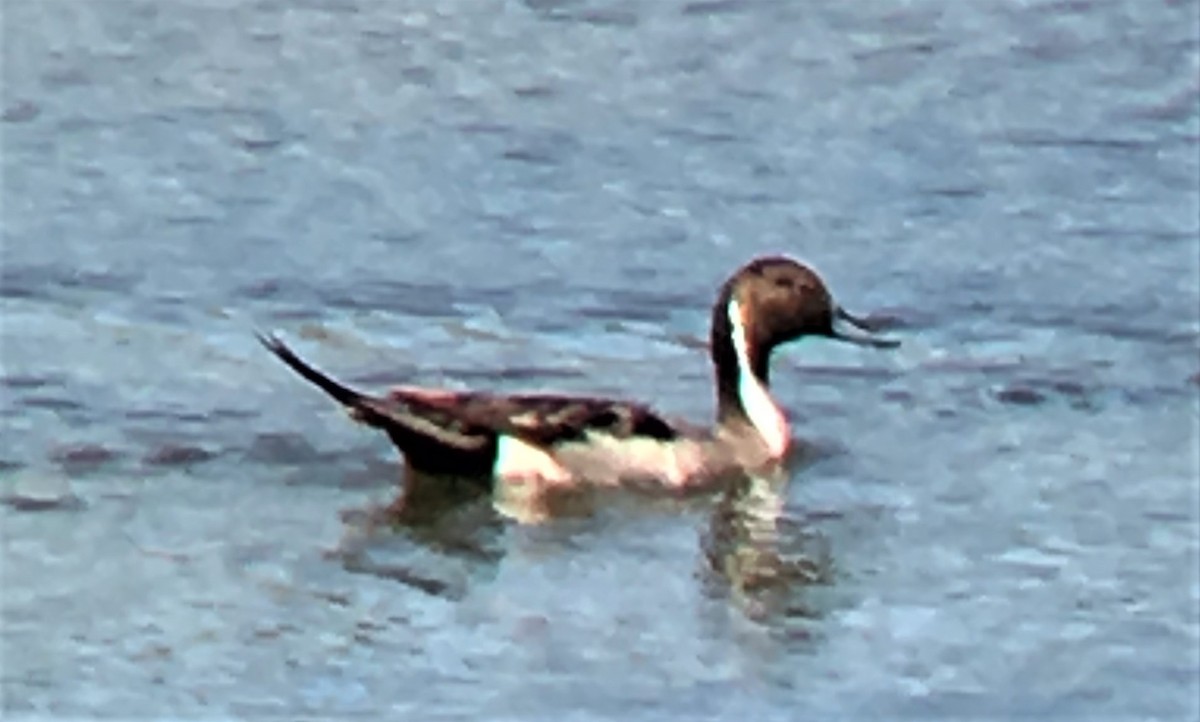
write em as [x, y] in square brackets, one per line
[558, 440]
[545, 438]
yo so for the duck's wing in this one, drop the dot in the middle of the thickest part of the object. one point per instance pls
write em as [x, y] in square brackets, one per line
[541, 419]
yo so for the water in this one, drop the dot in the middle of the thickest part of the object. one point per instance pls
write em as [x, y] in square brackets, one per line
[1000, 518]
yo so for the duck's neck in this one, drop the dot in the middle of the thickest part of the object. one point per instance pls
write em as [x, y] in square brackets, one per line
[741, 365]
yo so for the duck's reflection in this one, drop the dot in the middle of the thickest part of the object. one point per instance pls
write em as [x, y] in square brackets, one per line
[441, 534]
[436, 536]
[758, 556]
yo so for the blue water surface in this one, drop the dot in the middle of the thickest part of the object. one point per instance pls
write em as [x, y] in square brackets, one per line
[998, 520]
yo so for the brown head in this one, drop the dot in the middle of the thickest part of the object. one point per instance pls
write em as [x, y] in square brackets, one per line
[771, 301]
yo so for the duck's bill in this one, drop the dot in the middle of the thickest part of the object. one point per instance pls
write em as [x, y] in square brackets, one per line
[852, 329]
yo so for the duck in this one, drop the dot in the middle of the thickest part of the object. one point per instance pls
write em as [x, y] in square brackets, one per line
[552, 440]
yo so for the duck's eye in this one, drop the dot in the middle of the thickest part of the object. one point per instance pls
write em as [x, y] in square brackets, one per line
[784, 282]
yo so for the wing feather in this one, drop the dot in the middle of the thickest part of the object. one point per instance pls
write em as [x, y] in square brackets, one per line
[543, 419]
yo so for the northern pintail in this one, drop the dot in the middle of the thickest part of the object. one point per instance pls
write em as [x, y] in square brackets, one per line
[553, 440]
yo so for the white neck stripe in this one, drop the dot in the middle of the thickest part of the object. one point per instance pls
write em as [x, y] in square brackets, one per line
[762, 411]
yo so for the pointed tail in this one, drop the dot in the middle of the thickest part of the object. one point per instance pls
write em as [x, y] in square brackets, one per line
[342, 393]
[417, 436]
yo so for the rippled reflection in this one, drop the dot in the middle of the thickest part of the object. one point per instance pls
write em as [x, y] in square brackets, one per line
[761, 558]
[437, 535]
[440, 535]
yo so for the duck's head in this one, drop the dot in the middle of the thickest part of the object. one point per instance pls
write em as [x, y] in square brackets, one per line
[774, 300]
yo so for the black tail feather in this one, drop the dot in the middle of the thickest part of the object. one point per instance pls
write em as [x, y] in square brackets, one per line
[344, 394]
[428, 445]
